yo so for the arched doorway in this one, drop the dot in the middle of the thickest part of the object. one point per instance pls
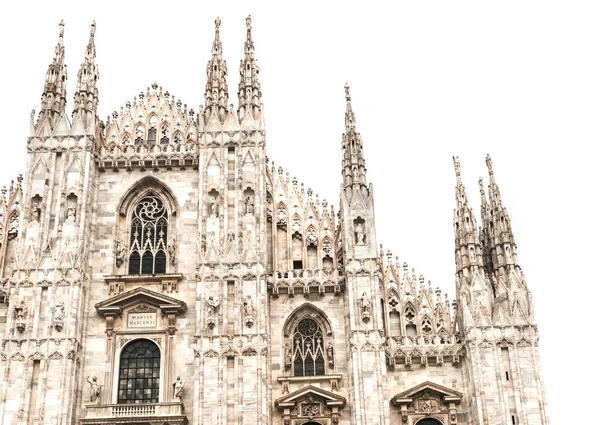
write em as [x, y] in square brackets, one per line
[429, 421]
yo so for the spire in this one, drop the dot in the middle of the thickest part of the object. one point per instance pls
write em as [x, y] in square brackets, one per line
[54, 97]
[354, 172]
[467, 247]
[249, 94]
[86, 94]
[216, 95]
[500, 236]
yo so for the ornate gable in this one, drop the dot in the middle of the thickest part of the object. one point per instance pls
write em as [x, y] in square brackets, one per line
[310, 403]
[428, 400]
[114, 307]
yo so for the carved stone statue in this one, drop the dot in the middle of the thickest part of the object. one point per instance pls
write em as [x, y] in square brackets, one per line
[365, 307]
[95, 389]
[119, 253]
[20, 316]
[249, 205]
[59, 315]
[287, 354]
[213, 305]
[249, 312]
[178, 388]
[171, 248]
[248, 308]
[71, 212]
[20, 312]
[330, 361]
[213, 208]
[35, 213]
[360, 234]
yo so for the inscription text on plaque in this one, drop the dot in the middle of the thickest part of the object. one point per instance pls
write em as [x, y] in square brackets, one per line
[141, 320]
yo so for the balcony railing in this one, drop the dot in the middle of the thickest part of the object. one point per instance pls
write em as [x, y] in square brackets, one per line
[109, 413]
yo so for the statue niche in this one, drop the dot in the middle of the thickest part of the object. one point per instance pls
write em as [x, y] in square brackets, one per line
[248, 201]
[360, 237]
[71, 213]
[213, 203]
[36, 209]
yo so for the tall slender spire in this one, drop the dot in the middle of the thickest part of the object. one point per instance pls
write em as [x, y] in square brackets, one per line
[249, 94]
[216, 95]
[354, 172]
[86, 94]
[512, 299]
[468, 246]
[54, 97]
[500, 236]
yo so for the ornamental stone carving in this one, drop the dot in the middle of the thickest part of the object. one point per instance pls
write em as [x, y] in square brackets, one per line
[59, 316]
[95, 389]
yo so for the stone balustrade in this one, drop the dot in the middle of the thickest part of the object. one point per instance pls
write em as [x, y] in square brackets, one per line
[108, 413]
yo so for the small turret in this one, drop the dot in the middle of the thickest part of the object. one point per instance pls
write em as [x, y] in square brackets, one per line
[86, 94]
[354, 172]
[216, 95]
[54, 97]
[249, 94]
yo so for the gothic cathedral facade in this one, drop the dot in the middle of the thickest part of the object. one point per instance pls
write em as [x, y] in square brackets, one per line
[155, 269]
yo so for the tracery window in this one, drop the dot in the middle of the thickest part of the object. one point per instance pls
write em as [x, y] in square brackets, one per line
[309, 358]
[148, 240]
[139, 373]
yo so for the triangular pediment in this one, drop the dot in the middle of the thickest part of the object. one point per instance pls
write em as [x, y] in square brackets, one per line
[444, 393]
[114, 306]
[330, 399]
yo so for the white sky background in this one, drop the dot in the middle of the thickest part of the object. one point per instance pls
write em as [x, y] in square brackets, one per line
[519, 80]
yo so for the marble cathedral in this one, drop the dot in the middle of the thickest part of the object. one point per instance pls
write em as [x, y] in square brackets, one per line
[156, 269]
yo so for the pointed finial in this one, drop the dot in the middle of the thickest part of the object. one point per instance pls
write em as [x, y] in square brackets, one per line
[347, 89]
[61, 29]
[249, 23]
[488, 162]
[456, 165]
[93, 29]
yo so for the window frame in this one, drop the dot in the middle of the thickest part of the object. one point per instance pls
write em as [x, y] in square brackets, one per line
[123, 340]
[167, 215]
[127, 346]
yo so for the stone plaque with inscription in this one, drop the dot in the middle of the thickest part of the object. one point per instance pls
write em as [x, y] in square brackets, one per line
[141, 320]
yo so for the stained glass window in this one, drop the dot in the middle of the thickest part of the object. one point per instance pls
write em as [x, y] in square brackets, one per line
[139, 373]
[309, 359]
[147, 249]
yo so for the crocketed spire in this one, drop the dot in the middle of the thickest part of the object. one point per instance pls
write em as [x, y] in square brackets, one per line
[54, 97]
[354, 172]
[86, 94]
[249, 94]
[216, 95]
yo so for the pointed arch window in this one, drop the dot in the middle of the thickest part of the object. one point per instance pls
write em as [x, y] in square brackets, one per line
[139, 373]
[148, 240]
[309, 358]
